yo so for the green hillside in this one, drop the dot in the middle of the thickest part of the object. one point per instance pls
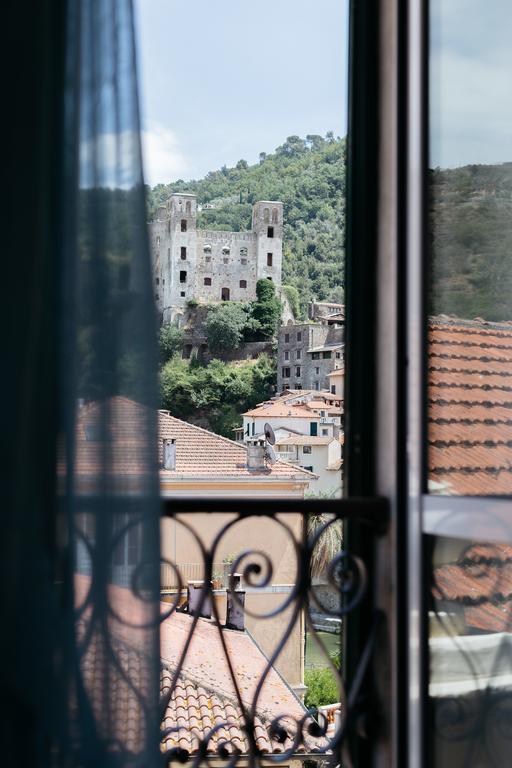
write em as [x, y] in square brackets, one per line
[308, 176]
[471, 241]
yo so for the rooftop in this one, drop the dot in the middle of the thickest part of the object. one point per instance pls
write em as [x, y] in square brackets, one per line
[470, 407]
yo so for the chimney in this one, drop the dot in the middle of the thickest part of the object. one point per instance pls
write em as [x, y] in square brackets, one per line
[169, 453]
[235, 610]
[195, 594]
[256, 454]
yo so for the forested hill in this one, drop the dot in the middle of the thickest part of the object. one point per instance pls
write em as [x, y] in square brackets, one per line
[308, 176]
[471, 241]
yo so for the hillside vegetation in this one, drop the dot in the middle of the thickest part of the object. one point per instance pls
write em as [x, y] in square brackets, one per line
[471, 241]
[308, 176]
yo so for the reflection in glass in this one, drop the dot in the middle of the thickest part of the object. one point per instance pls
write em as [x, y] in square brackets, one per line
[470, 647]
[470, 249]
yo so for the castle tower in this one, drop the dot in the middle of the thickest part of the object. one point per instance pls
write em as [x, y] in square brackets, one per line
[180, 266]
[267, 225]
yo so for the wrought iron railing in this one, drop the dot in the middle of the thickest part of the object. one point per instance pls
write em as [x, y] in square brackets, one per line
[247, 727]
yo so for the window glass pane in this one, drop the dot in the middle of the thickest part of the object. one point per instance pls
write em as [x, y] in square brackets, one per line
[470, 653]
[470, 249]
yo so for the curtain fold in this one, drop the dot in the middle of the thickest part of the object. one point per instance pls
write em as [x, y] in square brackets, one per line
[80, 559]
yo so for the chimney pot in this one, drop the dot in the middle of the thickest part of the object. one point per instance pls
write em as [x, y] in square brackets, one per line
[169, 453]
[256, 454]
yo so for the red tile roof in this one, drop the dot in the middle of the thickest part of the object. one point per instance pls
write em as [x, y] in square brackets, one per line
[199, 453]
[205, 695]
[481, 582]
[470, 407]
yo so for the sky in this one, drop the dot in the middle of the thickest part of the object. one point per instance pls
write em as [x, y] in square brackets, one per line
[222, 80]
[471, 82]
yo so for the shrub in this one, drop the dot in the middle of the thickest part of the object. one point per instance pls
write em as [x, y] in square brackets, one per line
[170, 341]
[322, 688]
[292, 295]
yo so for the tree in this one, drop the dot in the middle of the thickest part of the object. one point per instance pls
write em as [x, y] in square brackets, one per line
[266, 310]
[225, 325]
[329, 544]
[170, 341]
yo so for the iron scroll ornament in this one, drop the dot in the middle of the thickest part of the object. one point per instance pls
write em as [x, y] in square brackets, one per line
[346, 573]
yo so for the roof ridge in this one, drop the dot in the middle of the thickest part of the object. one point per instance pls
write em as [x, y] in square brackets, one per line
[168, 415]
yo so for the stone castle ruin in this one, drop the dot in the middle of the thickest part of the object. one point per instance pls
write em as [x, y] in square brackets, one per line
[210, 266]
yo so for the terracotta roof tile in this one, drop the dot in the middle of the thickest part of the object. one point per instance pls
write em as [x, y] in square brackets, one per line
[199, 453]
[470, 407]
[481, 582]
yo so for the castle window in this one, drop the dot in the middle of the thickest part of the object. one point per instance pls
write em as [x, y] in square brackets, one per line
[317, 371]
[269, 259]
[298, 354]
[243, 261]
[224, 294]
[183, 276]
[286, 373]
[274, 215]
[183, 252]
[208, 258]
[286, 338]
[287, 354]
[299, 336]
[243, 283]
[207, 281]
[188, 207]
[182, 294]
[226, 250]
[157, 281]
[266, 215]
[183, 225]
[243, 251]
[297, 370]
[269, 278]
[207, 249]
[270, 231]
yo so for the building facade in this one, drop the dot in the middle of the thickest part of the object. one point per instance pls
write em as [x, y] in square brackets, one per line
[210, 266]
[307, 353]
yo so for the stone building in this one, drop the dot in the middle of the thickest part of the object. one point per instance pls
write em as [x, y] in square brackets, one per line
[210, 266]
[307, 353]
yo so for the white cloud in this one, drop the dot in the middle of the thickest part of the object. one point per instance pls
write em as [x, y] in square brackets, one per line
[163, 158]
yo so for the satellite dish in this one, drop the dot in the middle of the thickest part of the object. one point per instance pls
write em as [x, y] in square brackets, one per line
[269, 434]
[270, 454]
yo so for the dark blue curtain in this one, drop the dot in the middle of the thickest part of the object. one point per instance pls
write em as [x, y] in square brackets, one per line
[79, 550]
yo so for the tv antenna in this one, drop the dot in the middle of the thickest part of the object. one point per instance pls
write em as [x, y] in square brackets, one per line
[269, 434]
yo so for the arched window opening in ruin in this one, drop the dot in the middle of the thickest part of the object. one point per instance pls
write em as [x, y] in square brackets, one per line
[266, 215]
[274, 215]
[224, 294]
[188, 207]
[183, 225]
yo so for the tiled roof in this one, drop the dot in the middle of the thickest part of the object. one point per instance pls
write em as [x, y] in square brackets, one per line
[470, 407]
[304, 440]
[203, 453]
[205, 695]
[279, 410]
[481, 582]
[326, 348]
[199, 453]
